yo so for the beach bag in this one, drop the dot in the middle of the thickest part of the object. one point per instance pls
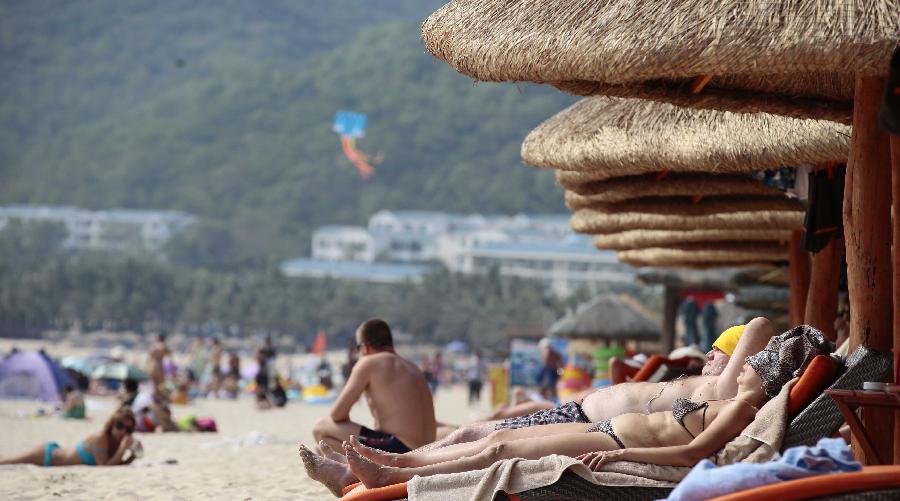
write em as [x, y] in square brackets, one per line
[205, 424]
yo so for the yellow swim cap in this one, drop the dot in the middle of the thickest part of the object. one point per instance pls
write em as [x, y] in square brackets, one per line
[728, 339]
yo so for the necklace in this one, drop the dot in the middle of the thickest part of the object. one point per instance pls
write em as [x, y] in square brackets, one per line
[659, 393]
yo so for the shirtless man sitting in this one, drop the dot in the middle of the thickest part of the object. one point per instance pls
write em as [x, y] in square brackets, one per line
[397, 394]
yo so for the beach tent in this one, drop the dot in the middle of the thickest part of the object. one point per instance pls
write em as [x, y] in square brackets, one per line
[32, 375]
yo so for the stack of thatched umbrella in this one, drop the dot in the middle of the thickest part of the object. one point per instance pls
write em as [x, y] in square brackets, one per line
[669, 186]
[822, 59]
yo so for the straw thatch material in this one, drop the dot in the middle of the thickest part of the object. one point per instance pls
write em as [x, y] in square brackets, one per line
[781, 56]
[611, 137]
[713, 253]
[693, 186]
[643, 263]
[592, 222]
[710, 213]
[607, 316]
[639, 239]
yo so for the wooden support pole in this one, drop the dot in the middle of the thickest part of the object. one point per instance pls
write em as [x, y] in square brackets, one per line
[670, 313]
[867, 213]
[895, 183]
[799, 269]
[821, 302]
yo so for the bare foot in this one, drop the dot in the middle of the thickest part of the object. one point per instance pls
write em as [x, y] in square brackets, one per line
[329, 453]
[332, 474]
[371, 474]
[376, 456]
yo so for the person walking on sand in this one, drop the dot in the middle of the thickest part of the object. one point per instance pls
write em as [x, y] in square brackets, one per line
[396, 391]
[158, 353]
[476, 374]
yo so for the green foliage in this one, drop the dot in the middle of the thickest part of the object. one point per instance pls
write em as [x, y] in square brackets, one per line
[224, 109]
[117, 292]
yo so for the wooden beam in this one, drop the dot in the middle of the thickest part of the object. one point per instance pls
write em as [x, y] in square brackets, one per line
[895, 183]
[822, 299]
[799, 279]
[670, 314]
[867, 213]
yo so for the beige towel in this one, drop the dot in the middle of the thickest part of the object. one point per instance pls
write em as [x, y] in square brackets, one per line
[759, 442]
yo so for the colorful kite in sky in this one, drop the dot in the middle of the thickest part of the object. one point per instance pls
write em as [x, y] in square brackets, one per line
[351, 126]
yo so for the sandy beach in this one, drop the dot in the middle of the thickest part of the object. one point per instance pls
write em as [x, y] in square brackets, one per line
[253, 455]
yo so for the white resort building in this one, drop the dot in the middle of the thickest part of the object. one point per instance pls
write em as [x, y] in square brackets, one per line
[116, 230]
[403, 245]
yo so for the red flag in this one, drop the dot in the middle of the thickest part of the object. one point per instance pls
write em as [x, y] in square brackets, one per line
[318, 346]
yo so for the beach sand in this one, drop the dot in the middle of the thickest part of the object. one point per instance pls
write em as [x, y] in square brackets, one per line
[253, 456]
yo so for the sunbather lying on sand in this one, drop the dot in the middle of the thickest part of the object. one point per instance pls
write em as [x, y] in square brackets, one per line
[679, 436]
[108, 448]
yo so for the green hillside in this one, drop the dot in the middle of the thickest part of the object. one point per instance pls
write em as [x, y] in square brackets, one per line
[224, 109]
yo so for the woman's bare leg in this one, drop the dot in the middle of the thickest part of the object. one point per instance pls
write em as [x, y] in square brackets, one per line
[569, 444]
[33, 456]
[422, 458]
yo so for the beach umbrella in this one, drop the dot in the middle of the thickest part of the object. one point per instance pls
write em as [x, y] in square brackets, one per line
[608, 317]
[456, 347]
[31, 375]
[640, 238]
[708, 254]
[83, 365]
[583, 190]
[791, 57]
[118, 371]
[709, 213]
[605, 138]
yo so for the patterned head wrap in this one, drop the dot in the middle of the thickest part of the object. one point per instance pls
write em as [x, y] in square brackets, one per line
[786, 355]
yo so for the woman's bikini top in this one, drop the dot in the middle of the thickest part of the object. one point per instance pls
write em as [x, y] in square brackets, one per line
[681, 407]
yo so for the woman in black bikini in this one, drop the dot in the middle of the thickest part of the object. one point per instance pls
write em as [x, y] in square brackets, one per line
[688, 433]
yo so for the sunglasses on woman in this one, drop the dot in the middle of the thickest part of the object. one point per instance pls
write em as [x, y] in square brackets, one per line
[122, 426]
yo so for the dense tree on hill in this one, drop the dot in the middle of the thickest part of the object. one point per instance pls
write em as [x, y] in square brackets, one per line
[224, 109]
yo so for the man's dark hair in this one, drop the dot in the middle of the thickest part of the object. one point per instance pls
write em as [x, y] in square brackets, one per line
[376, 333]
[131, 385]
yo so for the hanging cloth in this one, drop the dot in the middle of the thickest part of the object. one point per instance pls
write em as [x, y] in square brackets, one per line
[889, 115]
[824, 219]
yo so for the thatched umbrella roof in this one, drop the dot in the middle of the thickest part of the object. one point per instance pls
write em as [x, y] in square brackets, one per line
[582, 193]
[611, 137]
[607, 316]
[709, 213]
[640, 239]
[784, 56]
[709, 253]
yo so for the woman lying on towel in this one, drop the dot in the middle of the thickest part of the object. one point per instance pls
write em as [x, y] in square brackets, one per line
[682, 436]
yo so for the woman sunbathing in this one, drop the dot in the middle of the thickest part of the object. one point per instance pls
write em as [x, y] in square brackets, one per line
[107, 448]
[681, 437]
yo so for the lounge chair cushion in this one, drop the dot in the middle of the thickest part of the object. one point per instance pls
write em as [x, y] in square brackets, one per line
[871, 478]
[818, 375]
[359, 492]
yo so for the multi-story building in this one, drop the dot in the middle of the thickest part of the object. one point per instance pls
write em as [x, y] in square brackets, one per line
[343, 243]
[539, 247]
[117, 230]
